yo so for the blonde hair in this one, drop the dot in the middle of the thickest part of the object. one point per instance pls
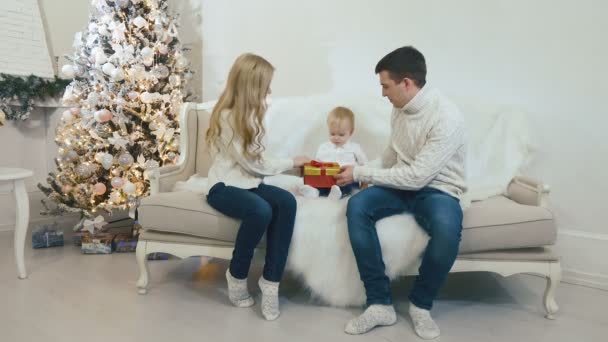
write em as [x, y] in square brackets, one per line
[339, 115]
[245, 97]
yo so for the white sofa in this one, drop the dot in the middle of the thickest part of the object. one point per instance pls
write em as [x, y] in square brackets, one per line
[506, 233]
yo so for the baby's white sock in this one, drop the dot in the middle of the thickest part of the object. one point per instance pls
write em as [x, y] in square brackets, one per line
[270, 299]
[424, 325]
[237, 291]
[375, 315]
[308, 191]
[335, 193]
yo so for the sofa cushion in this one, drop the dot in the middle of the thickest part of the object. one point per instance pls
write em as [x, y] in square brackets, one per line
[500, 223]
[188, 213]
[493, 224]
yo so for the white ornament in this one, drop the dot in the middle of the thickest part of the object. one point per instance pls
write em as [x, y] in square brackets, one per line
[174, 80]
[148, 61]
[68, 71]
[107, 160]
[92, 98]
[103, 115]
[129, 188]
[147, 52]
[117, 182]
[133, 95]
[125, 159]
[98, 157]
[100, 57]
[67, 116]
[181, 62]
[163, 49]
[160, 71]
[108, 68]
[103, 30]
[122, 3]
[118, 75]
[146, 97]
[140, 22]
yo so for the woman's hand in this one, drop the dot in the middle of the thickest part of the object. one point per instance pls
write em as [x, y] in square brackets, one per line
[299, 161]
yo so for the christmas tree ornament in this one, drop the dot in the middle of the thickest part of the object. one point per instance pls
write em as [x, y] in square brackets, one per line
[68, 71]
[140, 22]
[125, 160]
[67, 116]
[107, 160]
[108, 68]
[129, 188]
[99, 188]
[118, 75]
[117, 182]
[103, 115]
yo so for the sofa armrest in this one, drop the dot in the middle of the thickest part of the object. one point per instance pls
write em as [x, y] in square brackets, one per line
[528, 191]
[164, 178]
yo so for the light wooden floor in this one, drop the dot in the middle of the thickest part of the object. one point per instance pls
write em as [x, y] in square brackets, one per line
[73, 297]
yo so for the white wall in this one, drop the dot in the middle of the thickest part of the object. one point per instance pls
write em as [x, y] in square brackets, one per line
[24, 50]
[545, 57]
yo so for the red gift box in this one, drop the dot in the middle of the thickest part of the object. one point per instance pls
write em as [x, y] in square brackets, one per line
[320, 174]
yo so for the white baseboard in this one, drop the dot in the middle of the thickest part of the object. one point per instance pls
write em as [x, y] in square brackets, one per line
[584, 258]
[597, 281]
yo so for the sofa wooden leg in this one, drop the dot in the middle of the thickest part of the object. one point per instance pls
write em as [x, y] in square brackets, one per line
[553, 279]
[142, 263]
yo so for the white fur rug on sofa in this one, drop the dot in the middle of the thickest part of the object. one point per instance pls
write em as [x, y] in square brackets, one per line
[321, 255]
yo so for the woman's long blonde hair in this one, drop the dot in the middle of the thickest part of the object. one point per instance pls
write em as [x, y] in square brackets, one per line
[245, 97]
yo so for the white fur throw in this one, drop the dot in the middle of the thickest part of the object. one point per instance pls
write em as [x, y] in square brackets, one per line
[498, 145]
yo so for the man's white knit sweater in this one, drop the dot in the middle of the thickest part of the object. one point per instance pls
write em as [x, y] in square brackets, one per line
[426, 147]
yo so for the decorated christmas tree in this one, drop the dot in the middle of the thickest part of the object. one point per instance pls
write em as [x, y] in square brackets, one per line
[128, 72]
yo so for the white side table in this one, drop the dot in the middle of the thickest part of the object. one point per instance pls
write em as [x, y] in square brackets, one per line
[17, 176]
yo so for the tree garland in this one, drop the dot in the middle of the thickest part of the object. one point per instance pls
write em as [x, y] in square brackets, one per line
[24, 91]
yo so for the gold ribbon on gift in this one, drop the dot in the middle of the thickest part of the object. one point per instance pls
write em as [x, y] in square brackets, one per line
[315, 168]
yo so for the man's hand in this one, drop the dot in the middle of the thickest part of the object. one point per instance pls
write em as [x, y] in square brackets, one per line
[345, 176]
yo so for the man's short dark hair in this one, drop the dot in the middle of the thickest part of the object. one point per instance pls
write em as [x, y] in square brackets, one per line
[404, 62]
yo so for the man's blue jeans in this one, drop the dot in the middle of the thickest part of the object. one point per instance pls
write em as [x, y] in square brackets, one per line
[438, 213]
[265, 209]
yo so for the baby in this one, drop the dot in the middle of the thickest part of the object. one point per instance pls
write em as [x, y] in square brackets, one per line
[339, 148]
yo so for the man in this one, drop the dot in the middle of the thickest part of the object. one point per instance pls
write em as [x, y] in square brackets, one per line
[421, 172]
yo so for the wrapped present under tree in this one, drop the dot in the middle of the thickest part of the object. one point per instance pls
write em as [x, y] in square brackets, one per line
[47, 236]
[100, 243]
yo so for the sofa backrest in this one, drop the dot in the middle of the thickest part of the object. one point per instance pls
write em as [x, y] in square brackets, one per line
[203, 158]
[498, 142]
